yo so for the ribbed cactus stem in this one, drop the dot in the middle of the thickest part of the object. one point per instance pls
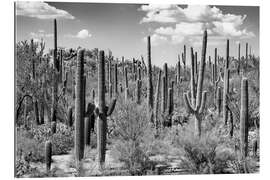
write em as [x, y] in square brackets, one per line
[123, 65]
[138, 91]
[69, 117]
[48, 155]
[225, 95]
[239, 59]
[178, 71]
[101, 120]
[192, 80]
[163, 100]
[244, 118]
[36, 111]
[150, 83]
[165, 69]
[87, 130]
[41, 113]
[126, 83]
[215, 65]
[53, 127]
[170, 101]
[139, 73]
[115, 80]
[219, 101]
[156, 107]
[79, 108]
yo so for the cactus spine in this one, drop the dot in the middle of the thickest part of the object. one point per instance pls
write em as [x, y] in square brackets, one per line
[150, 83]
[48, 155]
[198, 108]
[79, 108]
[244, 118]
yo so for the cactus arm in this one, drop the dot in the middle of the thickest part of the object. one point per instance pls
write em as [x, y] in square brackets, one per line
[192, 79]
[201, 72]
[187, 103]
[111, 107]
[90, 109]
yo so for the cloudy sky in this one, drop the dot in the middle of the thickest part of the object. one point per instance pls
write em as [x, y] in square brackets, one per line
[123, 27]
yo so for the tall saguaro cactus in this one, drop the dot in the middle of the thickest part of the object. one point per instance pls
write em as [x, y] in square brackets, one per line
[244, 118]
[150, 83]
[166, 85]
[198, 108]
[55, 74]
[115, 80]
[48, 155]
[226, 85]
[239, 59]
[157, 100]
[102, 111]
[79, 108]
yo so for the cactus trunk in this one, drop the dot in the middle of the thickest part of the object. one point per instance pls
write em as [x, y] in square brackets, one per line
[244, 119]
[48, 155]
[101, 120]
[79, 108]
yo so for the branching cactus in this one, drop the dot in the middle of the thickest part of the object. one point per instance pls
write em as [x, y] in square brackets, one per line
[156, 107]
[102, 111]
[48, 155]
[178, 71]
[79, 108]
[244, 118]
[198, 108]
[150, 83]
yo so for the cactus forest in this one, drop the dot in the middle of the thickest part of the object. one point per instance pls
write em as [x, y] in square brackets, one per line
[91, 112]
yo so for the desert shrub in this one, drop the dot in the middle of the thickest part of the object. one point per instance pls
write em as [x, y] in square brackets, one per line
[132, 136]
[31, 143]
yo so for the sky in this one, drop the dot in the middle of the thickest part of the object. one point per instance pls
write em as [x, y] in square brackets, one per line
[123, 28]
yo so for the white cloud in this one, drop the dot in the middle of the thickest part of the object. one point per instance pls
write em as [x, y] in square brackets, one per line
[40, 34]
[193, 20]
[40, 10]
[83, 34]
[157, 39]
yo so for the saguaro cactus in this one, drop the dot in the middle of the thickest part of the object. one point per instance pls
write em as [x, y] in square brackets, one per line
[157, 100]
[165, 68]
[219, 101]
[115, 80]
[126, 84]
[244, 118]
[178, 71]
[102, 111]
[239, 59]
[79, 108]
[150, 83]
[198, 108]
[163, 100]
[226, 85]
[48, 155]
[138, 91]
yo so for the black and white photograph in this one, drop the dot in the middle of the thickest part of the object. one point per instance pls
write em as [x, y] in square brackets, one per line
[135, 89]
